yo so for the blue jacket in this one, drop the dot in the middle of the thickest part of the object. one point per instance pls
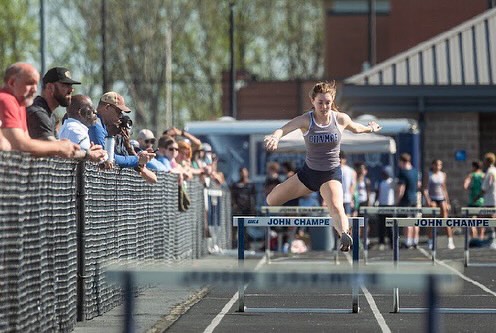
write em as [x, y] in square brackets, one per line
[98, 132]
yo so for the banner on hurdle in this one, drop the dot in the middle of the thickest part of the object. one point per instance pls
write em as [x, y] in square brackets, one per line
[478, 211]
[441, 222]
[400, 210]
[294, 210]
[286, 221]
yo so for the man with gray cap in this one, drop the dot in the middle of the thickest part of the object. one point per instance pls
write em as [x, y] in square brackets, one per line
[56, 90]
[110, 111]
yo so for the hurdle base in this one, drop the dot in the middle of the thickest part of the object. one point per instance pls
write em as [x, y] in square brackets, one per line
[296, 310]
[480, 264]
[447, 310]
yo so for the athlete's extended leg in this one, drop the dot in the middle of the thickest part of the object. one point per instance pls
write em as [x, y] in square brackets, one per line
[332, 192]
[291, 188]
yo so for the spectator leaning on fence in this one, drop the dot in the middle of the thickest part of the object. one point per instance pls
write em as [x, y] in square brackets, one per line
[56, 90]
[20, 86]
[80, 115]
[146, 140]
[109, 112]
[4, 144]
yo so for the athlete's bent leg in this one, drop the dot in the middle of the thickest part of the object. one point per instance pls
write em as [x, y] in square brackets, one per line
[332, 192]
[291, 188]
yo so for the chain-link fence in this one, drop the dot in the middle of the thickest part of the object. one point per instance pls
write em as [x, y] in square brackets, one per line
[61, 224]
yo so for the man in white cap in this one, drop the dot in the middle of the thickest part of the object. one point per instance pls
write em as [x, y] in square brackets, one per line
[146, 141]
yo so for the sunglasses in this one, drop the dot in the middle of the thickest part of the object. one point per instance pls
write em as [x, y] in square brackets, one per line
[173, 149]
[150, 141]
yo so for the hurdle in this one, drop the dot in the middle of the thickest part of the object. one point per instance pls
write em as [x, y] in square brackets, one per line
[284, 221]
[432, 279]
[467, 212]
[395, 211]
[300, 211]
[436, 223]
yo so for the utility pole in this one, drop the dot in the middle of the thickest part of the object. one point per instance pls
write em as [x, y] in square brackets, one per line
[105, 83]
[232, 77]
[372, 33]
[42, 38]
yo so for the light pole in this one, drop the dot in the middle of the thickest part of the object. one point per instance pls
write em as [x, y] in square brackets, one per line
[232, 77]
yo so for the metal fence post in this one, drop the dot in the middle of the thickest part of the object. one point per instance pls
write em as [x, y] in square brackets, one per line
[80, 236]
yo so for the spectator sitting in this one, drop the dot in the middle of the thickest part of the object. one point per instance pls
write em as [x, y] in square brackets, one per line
[80, 115]
[146, 140]
[56, 90]
[20, 85]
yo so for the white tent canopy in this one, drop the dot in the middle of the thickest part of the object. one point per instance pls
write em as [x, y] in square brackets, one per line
[351, 143]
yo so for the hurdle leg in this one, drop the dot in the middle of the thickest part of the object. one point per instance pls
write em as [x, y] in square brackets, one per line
[128, 302]
[356, 258]
[241, 259]
[465, 246]
[396, 255]
[432, 310]
[365, 239]
[434, 245]
[267, 245]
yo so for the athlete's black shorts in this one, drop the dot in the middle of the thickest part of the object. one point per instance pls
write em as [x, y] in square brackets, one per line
[313, 179]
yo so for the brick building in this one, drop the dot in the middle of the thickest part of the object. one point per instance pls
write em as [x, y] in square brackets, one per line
[435, 63]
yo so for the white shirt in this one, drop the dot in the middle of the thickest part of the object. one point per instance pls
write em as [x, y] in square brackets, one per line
[386, 192]
[76, 132]
[348, 180]
[489, 187]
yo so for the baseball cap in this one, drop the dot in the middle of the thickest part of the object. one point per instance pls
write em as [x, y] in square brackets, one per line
[206, 147]
[115, 99]
[59, 74]
[146, 134]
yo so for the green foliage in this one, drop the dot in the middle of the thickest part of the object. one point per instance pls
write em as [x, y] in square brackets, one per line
[276, 39]
[19, 34]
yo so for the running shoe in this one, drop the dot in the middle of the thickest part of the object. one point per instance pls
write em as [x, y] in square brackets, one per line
[346, 242]
[451, 244]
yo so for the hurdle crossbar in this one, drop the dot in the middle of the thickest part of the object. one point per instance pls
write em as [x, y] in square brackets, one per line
[474, 211]
[436, 223]
[284, 221]
[395, 211]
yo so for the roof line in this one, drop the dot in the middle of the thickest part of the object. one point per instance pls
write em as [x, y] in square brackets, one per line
[423, 46]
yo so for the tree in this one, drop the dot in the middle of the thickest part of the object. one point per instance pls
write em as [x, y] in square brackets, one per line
[18, 35]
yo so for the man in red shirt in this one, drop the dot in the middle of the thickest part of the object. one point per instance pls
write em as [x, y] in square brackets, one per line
[20, 86]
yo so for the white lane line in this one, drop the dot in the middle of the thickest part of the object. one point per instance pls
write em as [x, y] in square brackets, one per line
[460, 274]
[373, 306]
[216, 321]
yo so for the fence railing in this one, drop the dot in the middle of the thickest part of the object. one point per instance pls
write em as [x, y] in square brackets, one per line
[61, 223]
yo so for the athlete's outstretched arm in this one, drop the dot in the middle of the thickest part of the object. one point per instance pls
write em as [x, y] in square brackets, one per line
[301, 122]
[355, 127]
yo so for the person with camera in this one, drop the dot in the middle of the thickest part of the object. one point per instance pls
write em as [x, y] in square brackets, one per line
[110, 110]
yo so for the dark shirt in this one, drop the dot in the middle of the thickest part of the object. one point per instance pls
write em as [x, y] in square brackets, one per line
[410, 179]
[243, 198]
[41, 121]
